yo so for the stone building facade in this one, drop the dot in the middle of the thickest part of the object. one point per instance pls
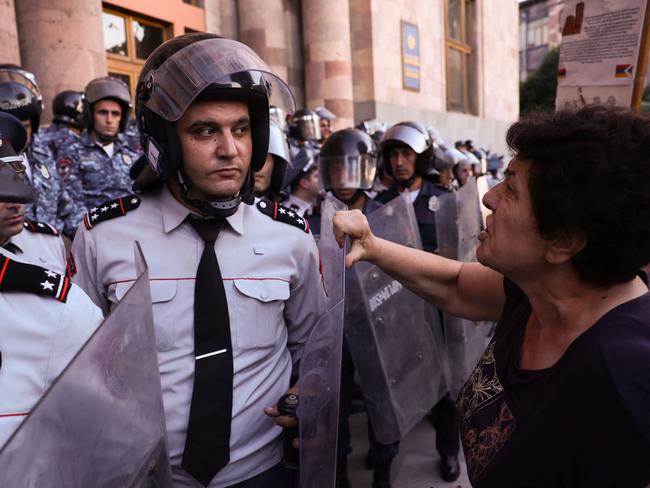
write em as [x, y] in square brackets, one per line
[452, 64]
[539, 31]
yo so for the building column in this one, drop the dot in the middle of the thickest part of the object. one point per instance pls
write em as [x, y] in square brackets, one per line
[8, 33]
[261, 25]
[328, 59]
[62, 43]
[221, 17]
[268, 27]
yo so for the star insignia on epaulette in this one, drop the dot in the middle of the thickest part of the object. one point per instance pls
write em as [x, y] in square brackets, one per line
[40, 227]
[29, 278]
[110, 210]
[282, 214]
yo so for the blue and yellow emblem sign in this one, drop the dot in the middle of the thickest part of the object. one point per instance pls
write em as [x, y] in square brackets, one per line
[410, 57]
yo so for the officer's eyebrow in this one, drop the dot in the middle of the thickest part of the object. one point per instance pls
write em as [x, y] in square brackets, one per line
[219, 125]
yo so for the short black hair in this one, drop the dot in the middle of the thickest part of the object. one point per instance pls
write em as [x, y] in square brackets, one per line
[590, 175]
[304, 175]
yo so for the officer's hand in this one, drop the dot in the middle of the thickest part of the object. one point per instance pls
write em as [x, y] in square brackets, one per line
[353, 224]
[283, 420]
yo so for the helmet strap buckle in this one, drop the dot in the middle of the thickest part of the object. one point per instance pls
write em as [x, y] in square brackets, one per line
[154, 156]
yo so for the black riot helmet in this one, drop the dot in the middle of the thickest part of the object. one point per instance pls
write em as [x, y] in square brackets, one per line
[348, 160]
[413, 135]
[68, 109]
[109, 88]
[305, 126]
[208, 67]
[13, 139]
[20, 96]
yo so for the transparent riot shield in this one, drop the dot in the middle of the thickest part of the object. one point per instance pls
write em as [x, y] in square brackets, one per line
[390, 333]
[101, 423]
[458, 224]
[320, 366]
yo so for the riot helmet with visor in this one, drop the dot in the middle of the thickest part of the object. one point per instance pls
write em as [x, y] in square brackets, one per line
[20, 96]
[203, 66]
[109, 88]
[281, 160]
[414, 136]
[13, 140]
[305, 126]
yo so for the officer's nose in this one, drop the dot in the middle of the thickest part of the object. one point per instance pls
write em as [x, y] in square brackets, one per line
[227, 147]
[400, 159]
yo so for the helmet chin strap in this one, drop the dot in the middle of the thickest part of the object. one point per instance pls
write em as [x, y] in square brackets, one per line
[353, 199]
[105, 139]
[217, 208]
[404, 184]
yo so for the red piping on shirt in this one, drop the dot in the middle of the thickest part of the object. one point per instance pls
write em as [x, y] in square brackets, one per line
[186, 279]
[4, 268]
[64, 292]
[21, 414]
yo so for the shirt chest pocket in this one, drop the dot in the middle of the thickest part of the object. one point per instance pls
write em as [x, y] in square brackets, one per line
[91, 170]
[165, 311]
[258, 312]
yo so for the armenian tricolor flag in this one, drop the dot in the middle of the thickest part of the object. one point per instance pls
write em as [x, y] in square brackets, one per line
[624, 70]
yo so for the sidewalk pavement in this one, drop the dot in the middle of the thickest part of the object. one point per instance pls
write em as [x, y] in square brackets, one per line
[414, 467]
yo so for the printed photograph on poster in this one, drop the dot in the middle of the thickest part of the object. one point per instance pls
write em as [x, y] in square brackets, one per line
[600, 41]
[410, 57]
[575, 97]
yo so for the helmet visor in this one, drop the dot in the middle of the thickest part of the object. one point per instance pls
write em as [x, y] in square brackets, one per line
[8, 76]
[13, 187]
[308, 127]
[406, 135]
[347, 172]
[173, 86]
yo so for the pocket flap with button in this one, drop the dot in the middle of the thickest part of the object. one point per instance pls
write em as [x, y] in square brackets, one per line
[161, 291]
[263, 290]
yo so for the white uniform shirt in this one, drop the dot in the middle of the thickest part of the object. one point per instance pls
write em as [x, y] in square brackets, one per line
[40, 249]
[39, 335]
[275, 297]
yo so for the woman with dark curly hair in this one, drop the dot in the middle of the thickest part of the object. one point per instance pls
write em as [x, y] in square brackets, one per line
[561, 397]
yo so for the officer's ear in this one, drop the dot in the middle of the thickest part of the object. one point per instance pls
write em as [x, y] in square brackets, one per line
[303, 183]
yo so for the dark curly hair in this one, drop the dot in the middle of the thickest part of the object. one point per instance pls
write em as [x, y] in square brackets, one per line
[590, 175]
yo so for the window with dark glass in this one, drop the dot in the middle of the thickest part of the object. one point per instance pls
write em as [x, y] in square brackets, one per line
[459, 26]
[147, 38]
[128, 41]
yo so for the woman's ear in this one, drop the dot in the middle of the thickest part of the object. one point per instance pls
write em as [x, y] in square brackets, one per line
[562, 249]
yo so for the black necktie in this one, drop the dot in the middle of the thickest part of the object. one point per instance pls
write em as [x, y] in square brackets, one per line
[207, 447]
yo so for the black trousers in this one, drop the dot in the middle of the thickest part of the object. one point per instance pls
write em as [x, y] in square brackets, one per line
[378, 452]
[444, 417]
[275, 477]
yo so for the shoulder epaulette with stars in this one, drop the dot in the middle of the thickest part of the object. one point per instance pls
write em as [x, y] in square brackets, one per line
[110, 210]
[282, 214]
[40, 227]
[29, 278]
